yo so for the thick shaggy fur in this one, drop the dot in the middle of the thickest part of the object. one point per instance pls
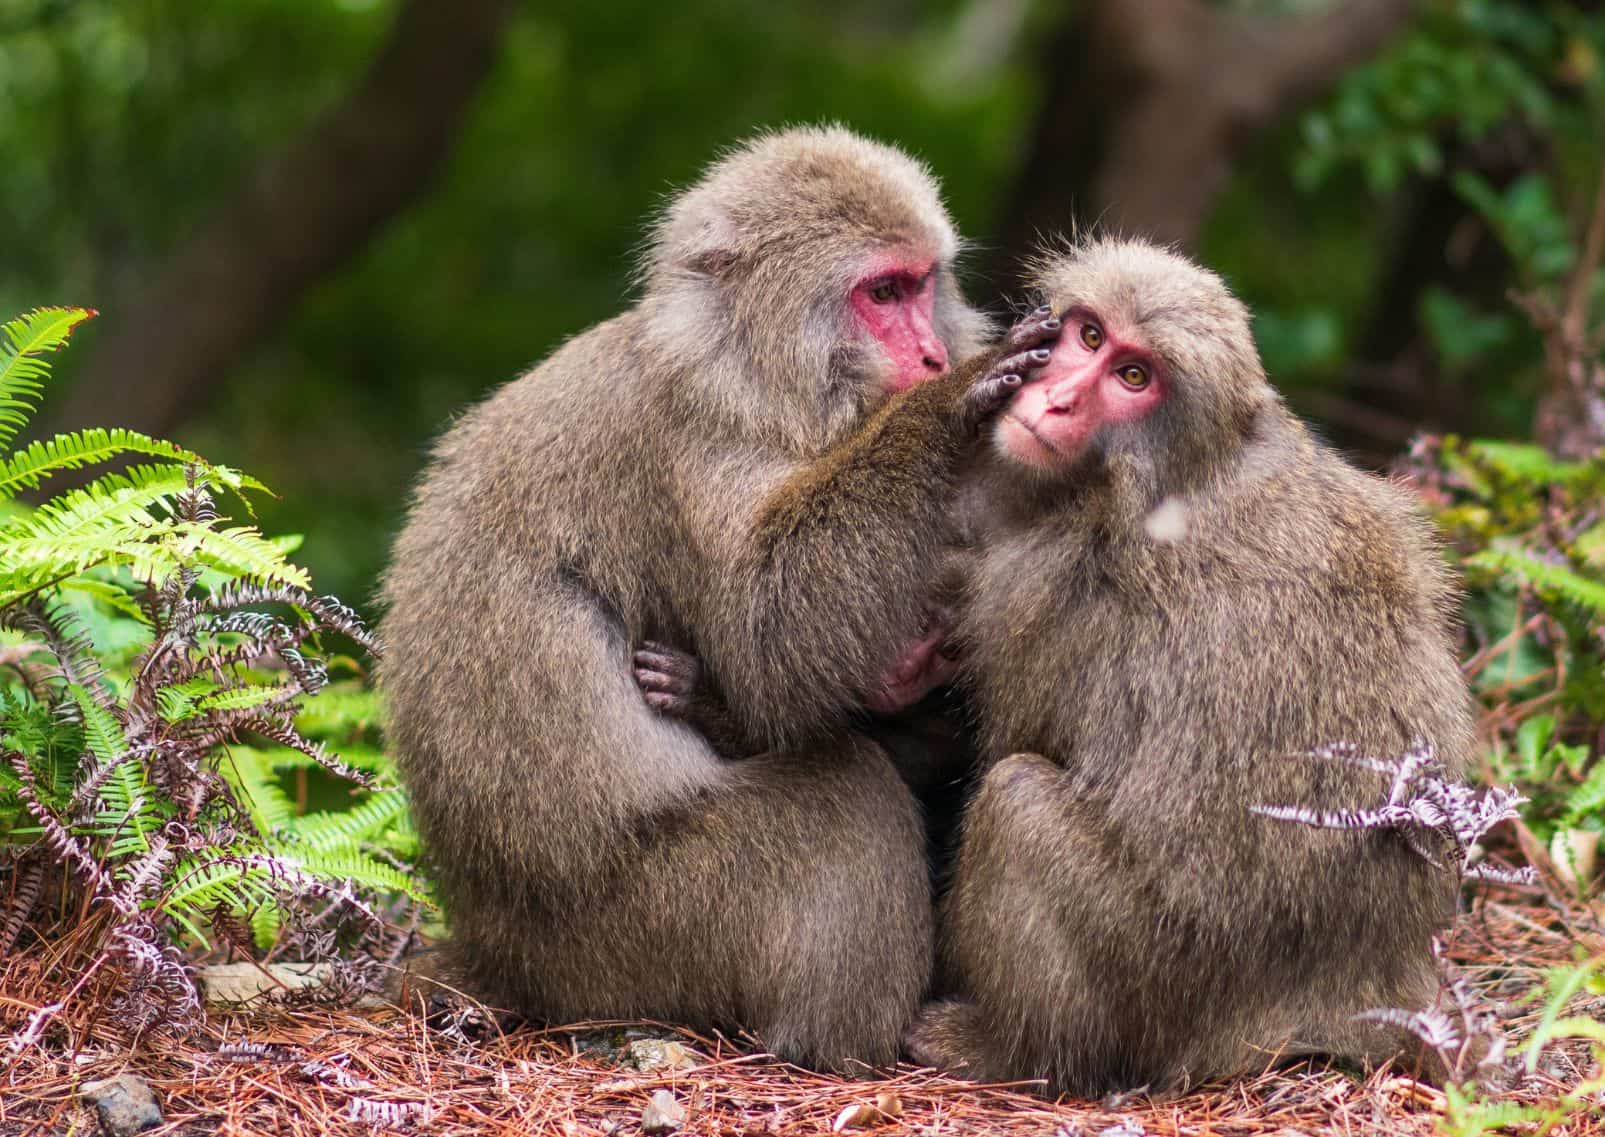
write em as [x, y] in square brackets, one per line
[720, 467]
[1150, 639]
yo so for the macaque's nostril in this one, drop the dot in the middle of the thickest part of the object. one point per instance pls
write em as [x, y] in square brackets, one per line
[1062, 398]
[932, 364]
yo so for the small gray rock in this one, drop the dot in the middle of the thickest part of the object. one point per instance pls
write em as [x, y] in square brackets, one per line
[126, 1104]
[234, 983]
[662, 1114]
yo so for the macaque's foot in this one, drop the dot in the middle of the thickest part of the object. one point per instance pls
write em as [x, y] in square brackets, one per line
[669, 678]
[919, 668]
[1024, 349]
[948, 1035]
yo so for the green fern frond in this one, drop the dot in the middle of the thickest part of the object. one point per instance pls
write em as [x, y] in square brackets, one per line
[22, 372]
[358, 868]
[347, 828]
[1524, 462]
[341, 711]
[265, 923]
[179, 702]
[243, 552]
[122, 498]
[1588, 799]
[201, 885]
[107, 593]
[103, 734]
[27, 468]
[1546, 578]
[97, 524]
[112, 521]
[246, 696]
[128, 812]
[27, 566]
[256, 783]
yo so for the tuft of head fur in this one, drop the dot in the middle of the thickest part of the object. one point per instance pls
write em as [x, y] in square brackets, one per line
[746, 272]
[798, 193]
[1186, 314]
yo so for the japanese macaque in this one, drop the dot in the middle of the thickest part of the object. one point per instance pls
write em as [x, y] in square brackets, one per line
[1178, 590]
[756, 461]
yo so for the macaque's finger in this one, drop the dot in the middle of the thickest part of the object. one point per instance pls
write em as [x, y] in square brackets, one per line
[665, 703]
[1040, 327]
[658, 658]
[1022, 363]
[659, 681]
[991, 394]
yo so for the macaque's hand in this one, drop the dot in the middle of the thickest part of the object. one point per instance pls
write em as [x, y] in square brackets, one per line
[675, 684]
[918, 669]
[670, 679]
[1024, 349]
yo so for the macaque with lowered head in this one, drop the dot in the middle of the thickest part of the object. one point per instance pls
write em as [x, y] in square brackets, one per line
[756, 460]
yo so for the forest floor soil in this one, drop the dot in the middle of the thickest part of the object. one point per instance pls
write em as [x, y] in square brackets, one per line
[309, 1070]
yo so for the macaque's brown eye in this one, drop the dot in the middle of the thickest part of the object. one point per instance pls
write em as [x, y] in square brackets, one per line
[1134, 376]
[884, 292]
[1092, 336]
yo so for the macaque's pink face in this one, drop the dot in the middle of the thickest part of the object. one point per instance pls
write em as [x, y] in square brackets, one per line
[1099, 374]
[894, 301]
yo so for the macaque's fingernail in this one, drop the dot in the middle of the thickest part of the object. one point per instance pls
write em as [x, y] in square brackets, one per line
[1041, 355]
[1043, 311]
[1052, 325]
[1010, 380]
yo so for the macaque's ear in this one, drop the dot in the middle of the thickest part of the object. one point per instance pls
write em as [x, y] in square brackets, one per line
[716, 263]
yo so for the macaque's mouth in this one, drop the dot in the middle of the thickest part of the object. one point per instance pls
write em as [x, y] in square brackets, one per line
[1029, 429]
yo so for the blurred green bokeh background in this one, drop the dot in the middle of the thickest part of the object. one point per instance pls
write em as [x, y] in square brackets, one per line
[1373, 177]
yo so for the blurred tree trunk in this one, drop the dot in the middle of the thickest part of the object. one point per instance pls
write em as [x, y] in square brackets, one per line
[1395, 387]
[1146, 103]
[296, 217]
[1570, 421]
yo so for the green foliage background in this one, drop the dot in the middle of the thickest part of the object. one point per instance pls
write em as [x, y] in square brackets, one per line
[593, 114]
[124, 122]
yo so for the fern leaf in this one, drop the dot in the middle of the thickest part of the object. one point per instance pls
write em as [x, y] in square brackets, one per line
[357, 868]
[341, 710]
[1588, 799]
[246, 696]
[242, 551]
[105, 592]
[265, 924]
[256, 783]
[96, 524]
[103, 734]
[230, 880]
[346, 829]
[1543, 576]
[27, 565]
[22, 372]
[1525, 462]
[27, 468]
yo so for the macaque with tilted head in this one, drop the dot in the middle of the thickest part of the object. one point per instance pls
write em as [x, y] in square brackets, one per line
[1178, 590]
[756, 461]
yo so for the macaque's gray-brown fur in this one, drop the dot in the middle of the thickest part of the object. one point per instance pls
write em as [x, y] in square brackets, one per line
[1153, 630]
[721, 466]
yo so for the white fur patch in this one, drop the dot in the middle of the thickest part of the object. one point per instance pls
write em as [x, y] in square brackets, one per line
[1167, 524]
